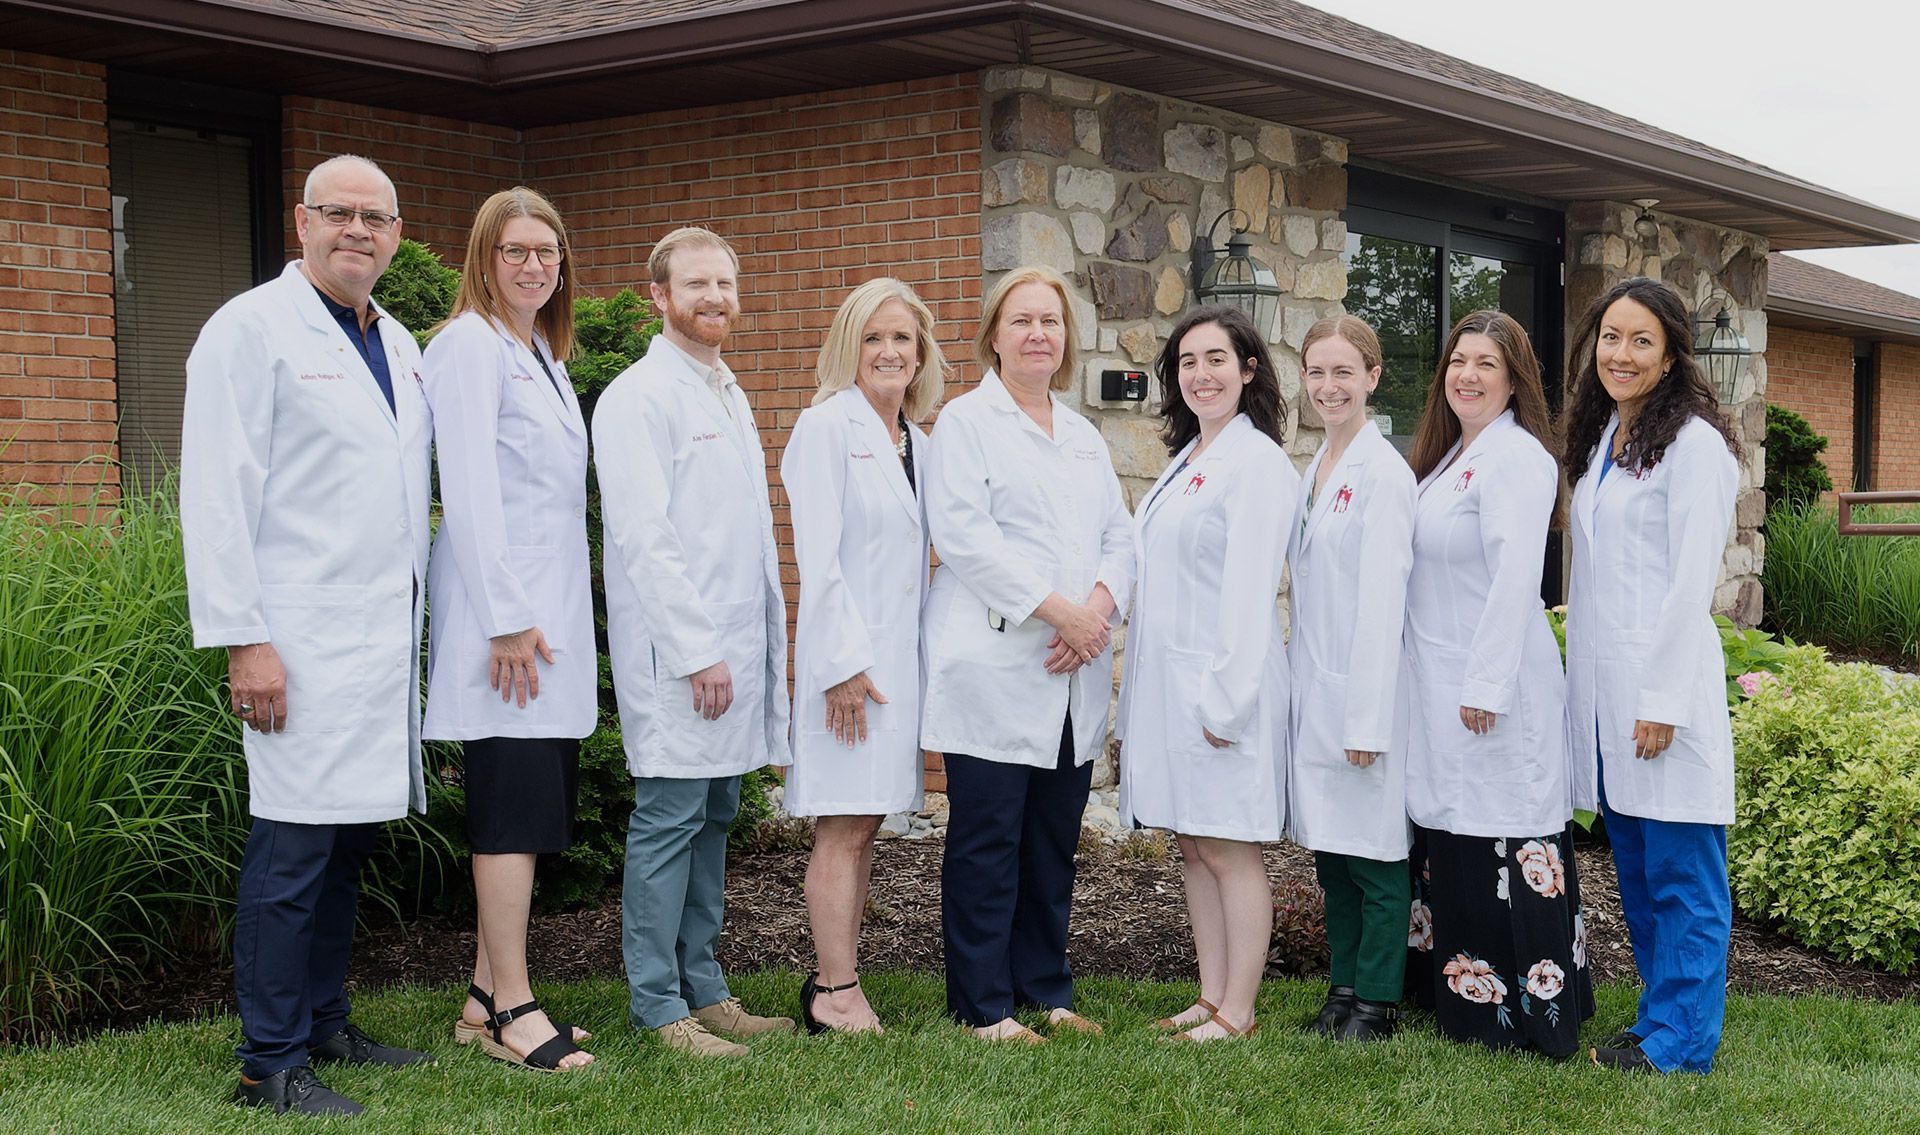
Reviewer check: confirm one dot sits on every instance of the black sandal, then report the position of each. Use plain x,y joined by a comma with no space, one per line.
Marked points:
811,988
465,1031
545,1058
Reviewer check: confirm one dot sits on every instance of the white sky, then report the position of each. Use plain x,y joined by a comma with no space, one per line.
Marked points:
1826,90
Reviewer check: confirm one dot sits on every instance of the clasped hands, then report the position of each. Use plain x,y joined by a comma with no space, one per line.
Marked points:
1081,631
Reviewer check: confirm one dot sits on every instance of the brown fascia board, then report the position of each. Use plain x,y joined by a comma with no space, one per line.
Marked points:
250,26
1159,25
1868,324
1169,26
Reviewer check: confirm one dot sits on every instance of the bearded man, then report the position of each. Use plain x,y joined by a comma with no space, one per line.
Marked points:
697,625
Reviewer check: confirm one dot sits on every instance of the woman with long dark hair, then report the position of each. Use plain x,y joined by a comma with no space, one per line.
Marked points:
1498,949
1203,707
1655,477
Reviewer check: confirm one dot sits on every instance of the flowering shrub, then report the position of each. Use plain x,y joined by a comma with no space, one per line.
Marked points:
1827,840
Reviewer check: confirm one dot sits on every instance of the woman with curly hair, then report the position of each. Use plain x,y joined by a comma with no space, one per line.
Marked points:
1488,784
1655,476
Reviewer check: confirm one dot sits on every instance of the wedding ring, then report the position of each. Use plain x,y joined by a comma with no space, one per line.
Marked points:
245,708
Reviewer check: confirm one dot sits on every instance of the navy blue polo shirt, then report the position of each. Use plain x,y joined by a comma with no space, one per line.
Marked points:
369,344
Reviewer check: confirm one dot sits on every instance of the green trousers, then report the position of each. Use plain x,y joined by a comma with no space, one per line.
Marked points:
1367,910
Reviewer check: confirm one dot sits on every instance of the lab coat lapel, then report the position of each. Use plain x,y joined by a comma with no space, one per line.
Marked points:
1162,488
306,300
735,428
563,406
866,419
1353,464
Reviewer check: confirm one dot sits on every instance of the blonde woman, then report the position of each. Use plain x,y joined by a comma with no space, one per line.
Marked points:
511,667
852,470
1036,554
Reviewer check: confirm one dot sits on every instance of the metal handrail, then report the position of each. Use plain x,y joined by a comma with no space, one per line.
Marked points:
1849,528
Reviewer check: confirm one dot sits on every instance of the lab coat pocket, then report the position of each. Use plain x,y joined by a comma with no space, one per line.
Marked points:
1322,717
1184,737
1439,685
538,568
742,632
322,639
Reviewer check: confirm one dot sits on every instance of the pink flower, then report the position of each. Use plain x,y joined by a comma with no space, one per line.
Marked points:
1750,683
1475,980
1545,980
1420,927
1540,866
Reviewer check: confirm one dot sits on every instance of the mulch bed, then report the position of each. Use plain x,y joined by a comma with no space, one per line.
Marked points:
1129,920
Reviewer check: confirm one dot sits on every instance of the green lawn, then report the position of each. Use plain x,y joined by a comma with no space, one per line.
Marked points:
1788,1064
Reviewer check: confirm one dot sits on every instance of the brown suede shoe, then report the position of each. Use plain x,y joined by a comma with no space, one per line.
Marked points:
689,1035
728,1017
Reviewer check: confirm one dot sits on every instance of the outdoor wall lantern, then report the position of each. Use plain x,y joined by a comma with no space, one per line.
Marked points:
1237,278
1724,352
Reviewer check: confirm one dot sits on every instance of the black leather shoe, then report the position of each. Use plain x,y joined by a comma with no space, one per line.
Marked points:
295,1090
1622,1059
1335,1012
1625,1038
1368,1020
352,1046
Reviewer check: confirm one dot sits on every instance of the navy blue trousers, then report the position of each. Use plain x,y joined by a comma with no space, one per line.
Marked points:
292,935
1006,883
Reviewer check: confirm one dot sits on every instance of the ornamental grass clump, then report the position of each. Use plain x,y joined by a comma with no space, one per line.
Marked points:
1852,593
1827,840
120,774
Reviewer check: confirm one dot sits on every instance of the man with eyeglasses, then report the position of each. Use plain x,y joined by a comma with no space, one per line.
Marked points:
303,499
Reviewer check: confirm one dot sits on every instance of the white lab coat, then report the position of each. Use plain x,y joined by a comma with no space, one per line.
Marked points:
1349,599
1641,642
511,552
1477,635
1205,648
860,538
303,504
1016,515
691,572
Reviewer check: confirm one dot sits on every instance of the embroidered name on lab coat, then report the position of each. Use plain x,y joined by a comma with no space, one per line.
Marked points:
1089,454
861,456
1466,478
1343,498
706,437
323,378
521,377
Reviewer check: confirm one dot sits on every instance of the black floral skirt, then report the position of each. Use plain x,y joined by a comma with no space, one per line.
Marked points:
1497,945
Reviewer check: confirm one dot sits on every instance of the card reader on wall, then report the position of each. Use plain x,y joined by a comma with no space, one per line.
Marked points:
1123,386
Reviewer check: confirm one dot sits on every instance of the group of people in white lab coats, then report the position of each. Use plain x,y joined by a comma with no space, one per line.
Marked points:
1417,734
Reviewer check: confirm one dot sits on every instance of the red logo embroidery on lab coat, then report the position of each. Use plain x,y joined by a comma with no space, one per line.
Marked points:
1466,478
1343,498
1193,485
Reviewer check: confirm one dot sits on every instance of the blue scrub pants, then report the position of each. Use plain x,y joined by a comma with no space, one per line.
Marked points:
1006,883
292,935
673,898
1679,911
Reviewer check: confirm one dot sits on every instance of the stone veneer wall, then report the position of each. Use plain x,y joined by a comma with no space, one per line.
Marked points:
1111,188
1714,269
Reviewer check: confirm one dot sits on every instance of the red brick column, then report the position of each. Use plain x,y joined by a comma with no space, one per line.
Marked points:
57,402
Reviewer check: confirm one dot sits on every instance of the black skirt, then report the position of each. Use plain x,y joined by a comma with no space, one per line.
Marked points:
1497,948
521,794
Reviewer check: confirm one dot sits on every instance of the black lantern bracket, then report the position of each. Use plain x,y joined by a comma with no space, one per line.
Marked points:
1233,275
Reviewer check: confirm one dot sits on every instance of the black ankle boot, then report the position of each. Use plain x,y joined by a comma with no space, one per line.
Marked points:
1334,1013
1369,1020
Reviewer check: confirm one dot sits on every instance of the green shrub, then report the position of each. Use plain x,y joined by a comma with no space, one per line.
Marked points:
1748,652
120,772
1852,593
1827,842
1795,473
417,289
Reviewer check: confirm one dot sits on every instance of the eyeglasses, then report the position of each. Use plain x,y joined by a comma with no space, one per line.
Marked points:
549,254
341,216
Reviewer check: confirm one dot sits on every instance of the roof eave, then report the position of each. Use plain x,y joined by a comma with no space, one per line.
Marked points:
1870,324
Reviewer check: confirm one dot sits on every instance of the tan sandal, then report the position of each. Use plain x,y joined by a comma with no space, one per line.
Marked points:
1232,1032
1169,1025
1019,1034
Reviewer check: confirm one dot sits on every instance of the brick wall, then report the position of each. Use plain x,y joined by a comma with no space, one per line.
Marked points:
57,408
442,168
1896,457
817,192
1812,375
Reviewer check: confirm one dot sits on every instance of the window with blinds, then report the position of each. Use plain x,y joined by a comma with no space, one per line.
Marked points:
182,246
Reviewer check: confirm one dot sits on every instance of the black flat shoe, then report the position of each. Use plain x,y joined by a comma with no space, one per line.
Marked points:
1335,1012
295,1090
1369,1020
1625,1038
1622,1059
352,1046
811,988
